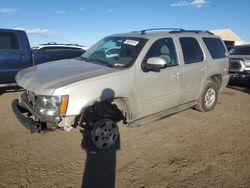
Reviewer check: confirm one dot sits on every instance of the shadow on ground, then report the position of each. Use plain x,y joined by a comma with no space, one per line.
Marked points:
100,164
240,87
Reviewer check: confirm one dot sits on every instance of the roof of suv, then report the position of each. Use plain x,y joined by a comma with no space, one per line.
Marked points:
149,33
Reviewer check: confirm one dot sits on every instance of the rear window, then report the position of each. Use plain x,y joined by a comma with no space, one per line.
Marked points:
215,47
191,50
240,51
8,41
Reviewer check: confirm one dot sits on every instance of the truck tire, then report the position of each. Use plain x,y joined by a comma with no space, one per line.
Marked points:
105,133
208,97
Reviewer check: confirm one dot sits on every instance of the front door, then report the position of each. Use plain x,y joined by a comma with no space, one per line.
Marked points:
12,57
160,89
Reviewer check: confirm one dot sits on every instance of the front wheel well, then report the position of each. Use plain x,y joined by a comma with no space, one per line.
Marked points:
115,109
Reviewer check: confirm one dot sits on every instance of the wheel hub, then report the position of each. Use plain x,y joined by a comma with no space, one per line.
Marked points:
210,97
105,133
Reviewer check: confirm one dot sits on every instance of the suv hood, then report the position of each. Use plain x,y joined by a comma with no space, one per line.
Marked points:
45,78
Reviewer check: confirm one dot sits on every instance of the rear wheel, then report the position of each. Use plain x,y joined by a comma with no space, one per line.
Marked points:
208,98
105,133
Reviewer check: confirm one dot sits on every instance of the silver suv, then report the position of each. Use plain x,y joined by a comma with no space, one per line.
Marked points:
149,76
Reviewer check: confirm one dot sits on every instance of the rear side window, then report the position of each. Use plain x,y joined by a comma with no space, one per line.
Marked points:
215,47
8,41
191,49
241,51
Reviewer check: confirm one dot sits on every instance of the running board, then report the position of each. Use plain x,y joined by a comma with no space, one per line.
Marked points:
160,115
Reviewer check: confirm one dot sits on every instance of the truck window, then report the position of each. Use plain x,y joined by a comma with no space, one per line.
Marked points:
241,51
165,49
215,47
8,41
191,50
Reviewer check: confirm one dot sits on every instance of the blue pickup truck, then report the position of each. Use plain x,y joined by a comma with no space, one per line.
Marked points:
16,54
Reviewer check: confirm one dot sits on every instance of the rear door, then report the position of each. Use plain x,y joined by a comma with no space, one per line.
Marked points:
195,69
12,57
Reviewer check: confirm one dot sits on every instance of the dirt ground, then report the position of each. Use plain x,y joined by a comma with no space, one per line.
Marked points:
188,149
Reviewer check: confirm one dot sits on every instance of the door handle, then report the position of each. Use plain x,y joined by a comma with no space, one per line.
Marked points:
204,68
176,75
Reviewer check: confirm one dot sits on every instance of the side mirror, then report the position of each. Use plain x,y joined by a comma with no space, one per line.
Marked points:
154,63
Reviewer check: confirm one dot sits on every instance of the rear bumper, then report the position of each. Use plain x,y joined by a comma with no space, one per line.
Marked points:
33,126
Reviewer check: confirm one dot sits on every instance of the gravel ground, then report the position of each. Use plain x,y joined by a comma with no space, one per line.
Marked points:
188,149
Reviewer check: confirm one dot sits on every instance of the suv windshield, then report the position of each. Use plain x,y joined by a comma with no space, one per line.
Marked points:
118,52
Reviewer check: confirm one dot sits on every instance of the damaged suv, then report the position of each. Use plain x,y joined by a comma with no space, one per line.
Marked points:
152,75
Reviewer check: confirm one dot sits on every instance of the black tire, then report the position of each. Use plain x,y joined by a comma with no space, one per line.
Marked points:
105,133
208,97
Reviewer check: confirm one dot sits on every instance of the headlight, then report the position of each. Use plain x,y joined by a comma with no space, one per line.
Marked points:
52,105
247,63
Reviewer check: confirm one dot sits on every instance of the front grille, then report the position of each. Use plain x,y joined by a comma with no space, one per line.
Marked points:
236,66
30,98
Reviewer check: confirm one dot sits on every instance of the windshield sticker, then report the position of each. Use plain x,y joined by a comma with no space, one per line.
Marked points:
131,42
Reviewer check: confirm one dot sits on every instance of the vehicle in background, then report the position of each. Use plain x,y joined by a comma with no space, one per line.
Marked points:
53,51
240,64
155,74
55,46
16,54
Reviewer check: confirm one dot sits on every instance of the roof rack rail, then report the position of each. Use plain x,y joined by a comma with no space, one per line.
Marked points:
157,29
193,31
173,30
51,43
73,44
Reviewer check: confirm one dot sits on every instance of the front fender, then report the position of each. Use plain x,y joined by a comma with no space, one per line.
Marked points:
123,104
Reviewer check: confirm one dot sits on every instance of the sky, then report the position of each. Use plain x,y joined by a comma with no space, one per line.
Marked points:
87,21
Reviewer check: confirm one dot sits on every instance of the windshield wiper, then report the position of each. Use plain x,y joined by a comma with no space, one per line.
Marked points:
118,65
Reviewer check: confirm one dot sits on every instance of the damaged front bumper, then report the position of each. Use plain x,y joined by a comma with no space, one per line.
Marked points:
30,119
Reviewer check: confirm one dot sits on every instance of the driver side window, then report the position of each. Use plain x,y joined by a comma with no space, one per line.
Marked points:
165,49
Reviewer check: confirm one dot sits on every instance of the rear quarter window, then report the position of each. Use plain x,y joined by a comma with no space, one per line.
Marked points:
215,47
8,41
